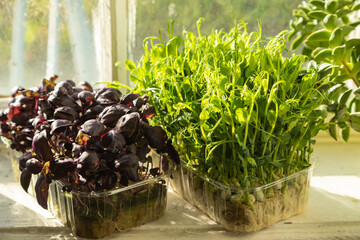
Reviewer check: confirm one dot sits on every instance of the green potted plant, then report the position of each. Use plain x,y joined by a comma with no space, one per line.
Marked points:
242,113
324,30
90,154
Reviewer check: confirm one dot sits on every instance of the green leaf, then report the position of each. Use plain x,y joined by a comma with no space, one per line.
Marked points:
251,161
291,35
336,38
343,3
332,106
347,29
341,78
331,22
331,6
357,105
241,115
345,97
285,138
318,3
355,24
355,69
271,117
317,14
332,128
355,121
323,55
298,41
352,43
130,65
357,94
339,53
309,28
204,115
320,35
356,7
216,102
345,133
342,12
307,51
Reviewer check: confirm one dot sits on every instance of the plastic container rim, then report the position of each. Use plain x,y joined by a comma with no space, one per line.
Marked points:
313,164
117,190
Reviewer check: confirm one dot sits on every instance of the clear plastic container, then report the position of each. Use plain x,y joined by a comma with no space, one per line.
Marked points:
230,206
97,215
102,214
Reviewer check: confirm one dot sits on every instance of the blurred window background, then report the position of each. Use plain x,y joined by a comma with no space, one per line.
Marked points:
148,16
82,39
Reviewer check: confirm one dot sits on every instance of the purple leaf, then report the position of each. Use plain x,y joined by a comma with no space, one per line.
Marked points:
41,147
34,166
88,160
156,137
65,84
127,161
42,191
86,86
113,141
66,112
86,97
129,98
132,174
59,125
93,127
172,153
147,111
92,112
61,168
108,97
22,160
129,125
111,114
25,178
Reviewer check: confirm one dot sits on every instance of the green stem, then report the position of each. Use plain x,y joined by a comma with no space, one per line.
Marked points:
349,73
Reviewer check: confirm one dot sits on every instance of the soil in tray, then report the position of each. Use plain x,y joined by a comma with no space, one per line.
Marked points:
99,217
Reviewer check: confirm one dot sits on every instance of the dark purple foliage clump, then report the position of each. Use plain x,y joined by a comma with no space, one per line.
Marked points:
89,139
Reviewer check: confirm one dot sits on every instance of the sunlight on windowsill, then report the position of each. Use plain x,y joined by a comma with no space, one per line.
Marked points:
347,186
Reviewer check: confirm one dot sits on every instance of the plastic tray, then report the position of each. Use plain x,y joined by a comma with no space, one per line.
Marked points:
271,203
100,215
97,215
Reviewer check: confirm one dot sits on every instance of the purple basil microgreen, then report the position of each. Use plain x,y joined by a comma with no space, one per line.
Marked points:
111,114
25,178
93,128
34,166
113,141
42,190
86,86
129,125
129,98
87,139
41,147
59,126
88,160
66,112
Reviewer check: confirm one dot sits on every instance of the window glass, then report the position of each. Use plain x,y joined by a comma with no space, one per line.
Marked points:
40,38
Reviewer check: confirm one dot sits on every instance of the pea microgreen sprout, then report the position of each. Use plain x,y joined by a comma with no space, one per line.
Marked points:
239,109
